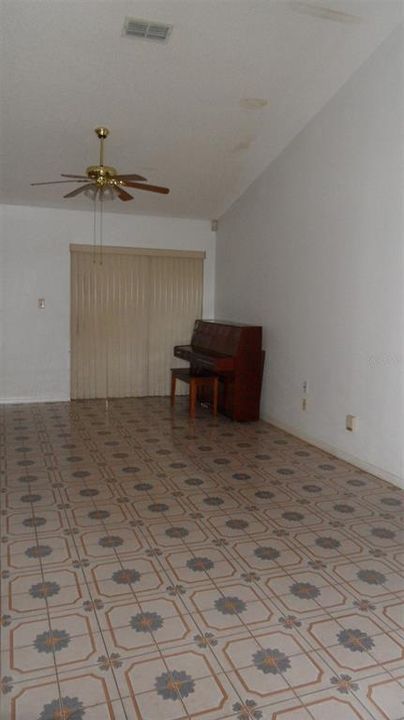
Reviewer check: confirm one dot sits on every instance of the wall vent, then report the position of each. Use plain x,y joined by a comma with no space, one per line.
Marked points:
146,29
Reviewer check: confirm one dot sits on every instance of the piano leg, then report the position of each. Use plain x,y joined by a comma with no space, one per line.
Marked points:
193,395
173,383
215,395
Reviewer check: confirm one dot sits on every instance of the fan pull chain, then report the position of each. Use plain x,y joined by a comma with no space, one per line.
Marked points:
106,381
101,223
95,229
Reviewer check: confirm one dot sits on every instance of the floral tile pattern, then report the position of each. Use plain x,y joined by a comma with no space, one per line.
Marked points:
156,566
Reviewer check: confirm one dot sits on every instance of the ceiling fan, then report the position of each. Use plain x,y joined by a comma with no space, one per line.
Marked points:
99,178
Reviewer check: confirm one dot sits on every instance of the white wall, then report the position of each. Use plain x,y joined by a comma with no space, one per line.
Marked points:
313,251
35,263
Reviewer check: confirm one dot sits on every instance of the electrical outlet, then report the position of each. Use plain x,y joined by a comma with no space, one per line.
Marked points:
304,404
350,423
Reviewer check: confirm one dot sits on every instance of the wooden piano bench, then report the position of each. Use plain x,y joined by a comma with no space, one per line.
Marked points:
195,382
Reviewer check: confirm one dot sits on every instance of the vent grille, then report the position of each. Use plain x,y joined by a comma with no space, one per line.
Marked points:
146,29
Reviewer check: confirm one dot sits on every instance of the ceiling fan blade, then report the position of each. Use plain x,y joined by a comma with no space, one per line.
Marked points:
79,190
131,177
57,182
122,194
151,188
79,177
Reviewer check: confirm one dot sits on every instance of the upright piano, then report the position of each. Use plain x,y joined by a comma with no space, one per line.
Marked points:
233,352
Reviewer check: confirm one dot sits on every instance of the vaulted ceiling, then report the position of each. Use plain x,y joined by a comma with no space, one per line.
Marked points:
179,112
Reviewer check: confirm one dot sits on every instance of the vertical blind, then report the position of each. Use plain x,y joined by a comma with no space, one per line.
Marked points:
129,307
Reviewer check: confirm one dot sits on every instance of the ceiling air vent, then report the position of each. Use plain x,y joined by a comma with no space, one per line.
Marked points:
146,29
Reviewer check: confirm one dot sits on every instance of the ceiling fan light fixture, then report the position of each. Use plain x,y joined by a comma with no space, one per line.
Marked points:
90,192
103,193
107,193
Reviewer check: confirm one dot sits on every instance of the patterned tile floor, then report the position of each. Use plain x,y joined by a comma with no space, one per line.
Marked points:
158,568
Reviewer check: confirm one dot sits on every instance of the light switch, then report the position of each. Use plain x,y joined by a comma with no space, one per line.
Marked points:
41,303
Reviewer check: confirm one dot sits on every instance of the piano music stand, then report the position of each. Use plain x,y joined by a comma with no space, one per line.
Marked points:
195,382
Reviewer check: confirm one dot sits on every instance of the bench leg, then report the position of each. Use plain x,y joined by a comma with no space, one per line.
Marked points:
172,396
193,392
215,395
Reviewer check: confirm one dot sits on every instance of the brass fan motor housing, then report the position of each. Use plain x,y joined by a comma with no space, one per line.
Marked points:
102,174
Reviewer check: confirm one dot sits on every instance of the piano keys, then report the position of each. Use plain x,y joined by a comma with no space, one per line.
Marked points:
233,352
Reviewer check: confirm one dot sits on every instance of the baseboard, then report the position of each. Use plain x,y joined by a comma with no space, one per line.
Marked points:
337,452
39,399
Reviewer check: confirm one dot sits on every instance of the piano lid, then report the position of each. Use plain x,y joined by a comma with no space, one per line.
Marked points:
226,338
228,322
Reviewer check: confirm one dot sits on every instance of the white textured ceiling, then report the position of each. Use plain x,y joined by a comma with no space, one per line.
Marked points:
173,109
